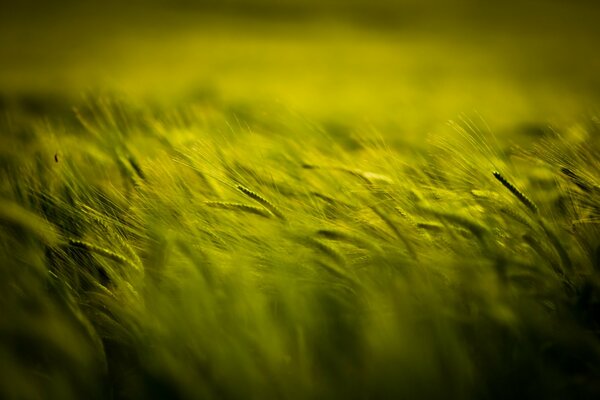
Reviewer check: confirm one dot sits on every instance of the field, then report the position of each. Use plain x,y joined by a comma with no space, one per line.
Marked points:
242,200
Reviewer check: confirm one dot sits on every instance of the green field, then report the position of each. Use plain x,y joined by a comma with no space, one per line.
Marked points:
301,200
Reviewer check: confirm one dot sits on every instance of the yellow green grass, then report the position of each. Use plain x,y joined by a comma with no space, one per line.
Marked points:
276,206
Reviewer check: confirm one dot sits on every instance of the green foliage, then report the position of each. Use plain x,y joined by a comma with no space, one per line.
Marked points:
173,255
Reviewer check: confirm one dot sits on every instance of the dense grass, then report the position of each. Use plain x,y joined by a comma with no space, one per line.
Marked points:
274,207
196,254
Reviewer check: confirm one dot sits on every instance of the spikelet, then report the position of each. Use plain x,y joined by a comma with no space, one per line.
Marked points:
518,194
240,207
262,201
111,255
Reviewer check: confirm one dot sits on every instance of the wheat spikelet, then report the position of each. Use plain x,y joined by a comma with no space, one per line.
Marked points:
111,255
262,201
240,207
518,194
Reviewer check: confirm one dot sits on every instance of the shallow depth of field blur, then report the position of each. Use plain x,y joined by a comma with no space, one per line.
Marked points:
299,199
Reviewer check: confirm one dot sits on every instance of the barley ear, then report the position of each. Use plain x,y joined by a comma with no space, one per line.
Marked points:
262,201
109,254
516,192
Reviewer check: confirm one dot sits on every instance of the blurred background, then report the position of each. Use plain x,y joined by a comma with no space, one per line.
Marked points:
409,64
